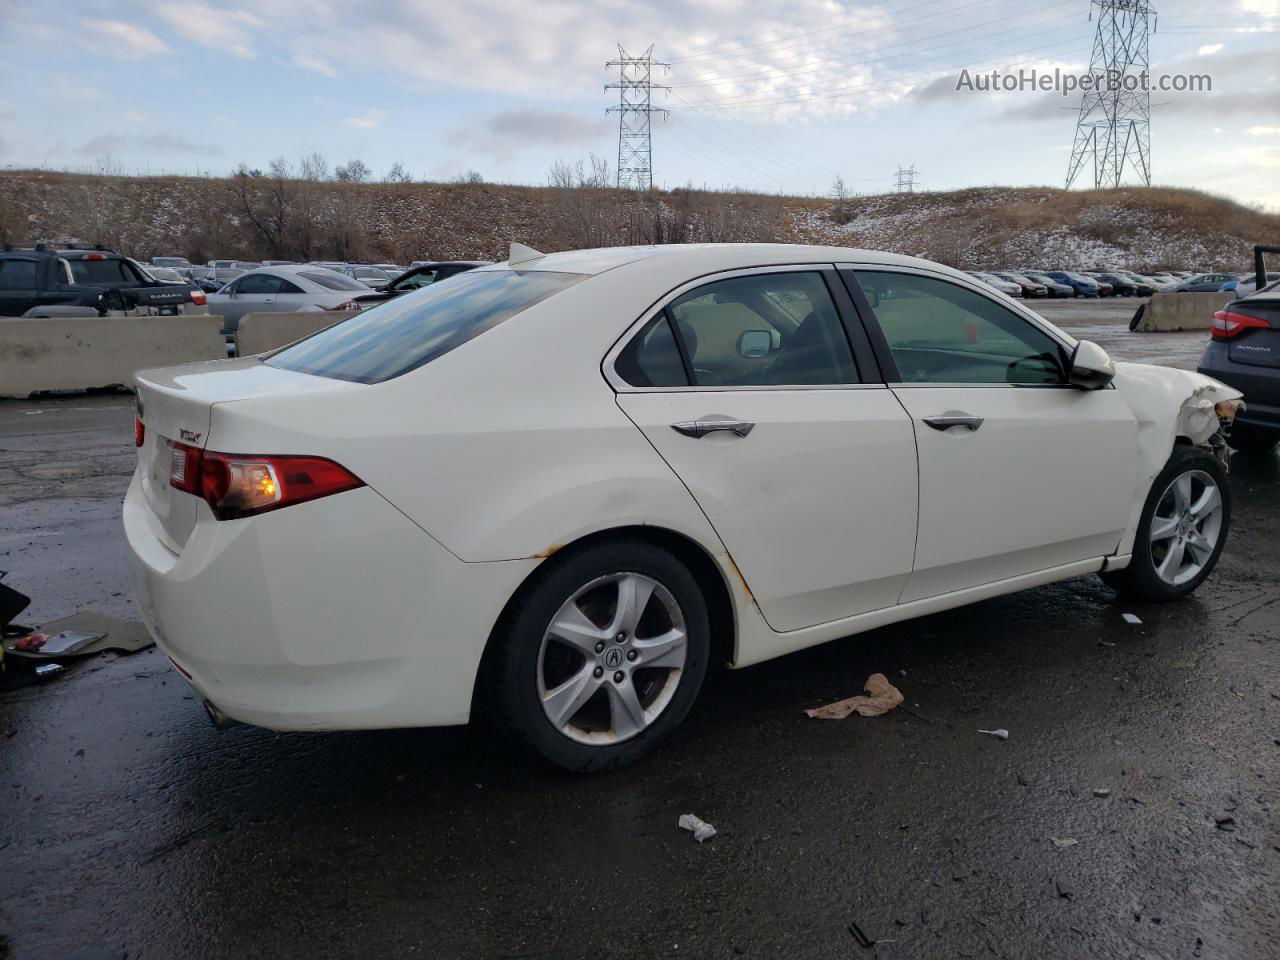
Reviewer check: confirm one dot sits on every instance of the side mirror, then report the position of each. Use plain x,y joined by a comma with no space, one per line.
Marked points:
754,344
1091,368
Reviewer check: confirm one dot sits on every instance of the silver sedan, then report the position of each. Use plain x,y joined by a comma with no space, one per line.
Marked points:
283,289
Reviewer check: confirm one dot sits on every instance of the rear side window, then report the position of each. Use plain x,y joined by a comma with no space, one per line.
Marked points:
103,272
403,334
652,358
17,274
332,280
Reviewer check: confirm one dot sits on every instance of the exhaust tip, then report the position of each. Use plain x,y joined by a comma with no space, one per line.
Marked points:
219,719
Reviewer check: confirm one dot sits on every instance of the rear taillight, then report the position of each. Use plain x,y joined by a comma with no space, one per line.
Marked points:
198,298
236,485
349,305
139,432
1227,324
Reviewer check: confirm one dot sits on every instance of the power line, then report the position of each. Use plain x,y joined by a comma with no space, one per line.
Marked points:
635,111
906,181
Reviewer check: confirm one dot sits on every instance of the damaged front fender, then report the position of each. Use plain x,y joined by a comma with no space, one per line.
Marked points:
1170,405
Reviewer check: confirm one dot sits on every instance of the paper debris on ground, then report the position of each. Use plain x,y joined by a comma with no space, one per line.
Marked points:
1064,841
1132,618
1000,733
882,696
700,829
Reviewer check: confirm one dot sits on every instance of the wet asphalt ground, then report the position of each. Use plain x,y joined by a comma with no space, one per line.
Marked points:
131,827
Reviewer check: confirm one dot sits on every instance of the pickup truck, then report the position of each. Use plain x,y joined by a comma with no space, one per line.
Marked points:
44,282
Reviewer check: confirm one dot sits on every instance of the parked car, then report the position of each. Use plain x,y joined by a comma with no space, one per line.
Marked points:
368,276
285,289
1030,288
991,280
1105,289
1244,352
1056,288
422,276
202,277
45,282
1126,285
1082,285
174,262
553,491
163,274
1205,283
1248,287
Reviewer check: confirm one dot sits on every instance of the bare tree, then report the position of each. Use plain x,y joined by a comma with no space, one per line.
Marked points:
398,174
471,176
314,167
839,201
353,171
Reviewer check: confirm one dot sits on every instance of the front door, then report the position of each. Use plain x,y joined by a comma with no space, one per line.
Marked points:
748,388
1019,472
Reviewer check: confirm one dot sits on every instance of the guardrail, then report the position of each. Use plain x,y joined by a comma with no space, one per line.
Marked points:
38,355
1166,312
260,332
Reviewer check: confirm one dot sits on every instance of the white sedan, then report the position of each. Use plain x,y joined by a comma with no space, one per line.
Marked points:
554,490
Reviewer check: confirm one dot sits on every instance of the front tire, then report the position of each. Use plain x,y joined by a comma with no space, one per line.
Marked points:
1182,530
602,658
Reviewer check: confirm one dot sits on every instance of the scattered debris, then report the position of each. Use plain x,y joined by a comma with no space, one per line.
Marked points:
861,938
1000,733
700,829
47,670
1105,643
1131,618
1064,889
1225,823
31,642
883,697
1101,792
1064,841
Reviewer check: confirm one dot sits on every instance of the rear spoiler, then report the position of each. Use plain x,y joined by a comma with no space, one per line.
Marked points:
1259,269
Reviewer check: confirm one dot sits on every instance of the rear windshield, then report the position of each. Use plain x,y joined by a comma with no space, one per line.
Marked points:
334,280
403,334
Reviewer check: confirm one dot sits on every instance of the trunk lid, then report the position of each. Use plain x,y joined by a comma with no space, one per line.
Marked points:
175,405
1256,346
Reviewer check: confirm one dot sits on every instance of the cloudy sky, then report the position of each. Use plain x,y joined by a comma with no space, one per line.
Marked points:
773,96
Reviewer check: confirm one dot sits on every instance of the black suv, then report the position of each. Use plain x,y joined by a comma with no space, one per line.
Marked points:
45,282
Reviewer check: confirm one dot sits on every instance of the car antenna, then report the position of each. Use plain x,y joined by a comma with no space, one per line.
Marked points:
522,254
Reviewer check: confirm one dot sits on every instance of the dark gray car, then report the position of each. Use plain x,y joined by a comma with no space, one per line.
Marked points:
1245,353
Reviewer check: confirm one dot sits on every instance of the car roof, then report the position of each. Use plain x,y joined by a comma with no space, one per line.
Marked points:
712,257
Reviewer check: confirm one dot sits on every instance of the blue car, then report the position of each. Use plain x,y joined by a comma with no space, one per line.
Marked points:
1082,285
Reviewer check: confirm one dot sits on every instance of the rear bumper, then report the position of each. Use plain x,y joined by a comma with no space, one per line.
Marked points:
331,615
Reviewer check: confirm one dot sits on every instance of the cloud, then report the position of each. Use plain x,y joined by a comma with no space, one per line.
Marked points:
368,120
508,131
314,64
1263,131
161,143
1208,50
227,31
1262,8
125,41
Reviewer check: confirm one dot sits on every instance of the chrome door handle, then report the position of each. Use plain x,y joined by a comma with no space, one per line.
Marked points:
949,420
700,428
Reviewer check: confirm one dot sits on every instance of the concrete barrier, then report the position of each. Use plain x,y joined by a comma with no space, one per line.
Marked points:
88,353
260,332
1181,311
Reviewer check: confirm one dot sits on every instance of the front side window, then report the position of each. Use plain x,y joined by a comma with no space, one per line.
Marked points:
940,332
422,279
259,284
768,329
400,335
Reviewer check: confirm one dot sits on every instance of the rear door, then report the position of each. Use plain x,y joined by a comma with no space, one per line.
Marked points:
748,386
1019,472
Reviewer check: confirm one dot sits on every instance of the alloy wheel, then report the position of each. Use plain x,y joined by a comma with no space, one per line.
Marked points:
1185,527
611,658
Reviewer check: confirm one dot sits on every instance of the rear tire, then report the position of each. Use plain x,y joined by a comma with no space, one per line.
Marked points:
589,681
1253,440
1182,530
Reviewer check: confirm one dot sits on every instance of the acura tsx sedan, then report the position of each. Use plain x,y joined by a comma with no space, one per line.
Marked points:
552,491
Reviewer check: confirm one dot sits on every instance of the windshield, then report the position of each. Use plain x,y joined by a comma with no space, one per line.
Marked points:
403,334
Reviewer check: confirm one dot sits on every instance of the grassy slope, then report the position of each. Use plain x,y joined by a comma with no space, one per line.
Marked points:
988,227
